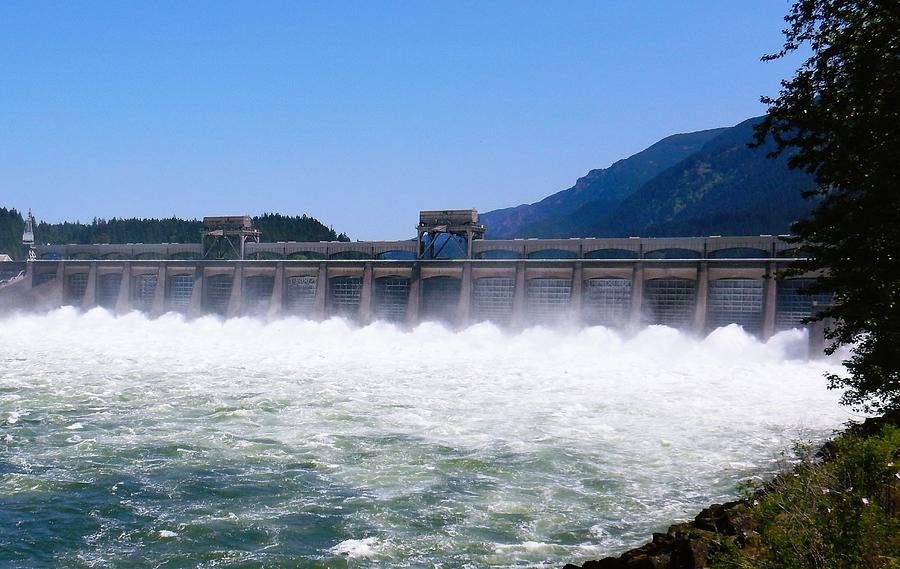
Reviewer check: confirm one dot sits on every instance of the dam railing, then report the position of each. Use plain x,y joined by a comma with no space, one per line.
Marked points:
763,246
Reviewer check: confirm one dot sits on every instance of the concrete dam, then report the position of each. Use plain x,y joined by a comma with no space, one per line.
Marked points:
688,283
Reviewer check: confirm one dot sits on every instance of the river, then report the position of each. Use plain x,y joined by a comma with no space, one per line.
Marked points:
167,443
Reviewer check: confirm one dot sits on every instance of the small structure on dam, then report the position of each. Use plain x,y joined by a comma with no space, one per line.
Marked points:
226,237
438,228
695,283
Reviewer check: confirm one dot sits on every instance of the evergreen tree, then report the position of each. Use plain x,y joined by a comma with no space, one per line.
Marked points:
11,226
274,227
838,118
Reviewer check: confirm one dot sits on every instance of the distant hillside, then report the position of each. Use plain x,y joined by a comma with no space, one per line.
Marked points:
11,227
720,188
725,188
606,185
274,227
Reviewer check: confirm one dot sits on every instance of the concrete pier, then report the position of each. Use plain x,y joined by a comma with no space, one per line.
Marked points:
518,306
195,308
702,293
235,299
365,296
276,305
637,296
414,300
771,288
577,298
321,291
90,293
123,304
465,296
159,293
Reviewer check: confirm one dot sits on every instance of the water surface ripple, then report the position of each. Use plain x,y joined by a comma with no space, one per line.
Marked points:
165,443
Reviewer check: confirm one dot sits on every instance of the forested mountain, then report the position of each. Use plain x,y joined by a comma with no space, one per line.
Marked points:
721,187
607,185
274,227
725,188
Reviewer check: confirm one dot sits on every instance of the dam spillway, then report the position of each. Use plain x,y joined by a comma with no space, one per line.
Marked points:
690,283
294,441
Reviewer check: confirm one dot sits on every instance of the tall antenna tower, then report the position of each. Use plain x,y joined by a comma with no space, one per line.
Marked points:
28,236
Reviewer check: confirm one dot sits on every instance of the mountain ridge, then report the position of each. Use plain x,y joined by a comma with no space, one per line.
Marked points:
721,186
613,183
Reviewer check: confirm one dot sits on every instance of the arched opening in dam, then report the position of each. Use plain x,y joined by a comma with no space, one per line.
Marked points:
258,294
793,305
77,285
389,445
344,295
144,290
108,290
735,301
351,255
440,298
499,254
217,291
670,301
179,292
43,277
673,253
492,299
611,254
265,256
607,301
547,300
305,255
738,253
391,298
300,296
553,254
396,255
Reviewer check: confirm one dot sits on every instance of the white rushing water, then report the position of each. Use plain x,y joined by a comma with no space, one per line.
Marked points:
292,443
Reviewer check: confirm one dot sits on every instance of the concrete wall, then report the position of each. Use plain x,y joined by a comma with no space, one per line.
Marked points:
694,293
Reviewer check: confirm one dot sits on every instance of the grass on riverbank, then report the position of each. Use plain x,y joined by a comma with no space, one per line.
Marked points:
839,510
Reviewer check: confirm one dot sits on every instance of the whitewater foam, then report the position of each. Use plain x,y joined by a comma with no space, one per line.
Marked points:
354,548
287,440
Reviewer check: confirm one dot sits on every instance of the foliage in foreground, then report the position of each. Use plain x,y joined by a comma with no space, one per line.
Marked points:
841,513
838,118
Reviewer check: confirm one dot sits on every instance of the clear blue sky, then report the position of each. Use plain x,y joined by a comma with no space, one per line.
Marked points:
357,113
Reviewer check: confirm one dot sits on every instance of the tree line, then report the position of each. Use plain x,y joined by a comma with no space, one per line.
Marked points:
274,227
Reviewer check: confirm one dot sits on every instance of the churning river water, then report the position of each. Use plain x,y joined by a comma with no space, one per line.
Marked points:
128,442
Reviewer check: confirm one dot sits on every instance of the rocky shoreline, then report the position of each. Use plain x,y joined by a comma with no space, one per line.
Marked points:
691,545
686,545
